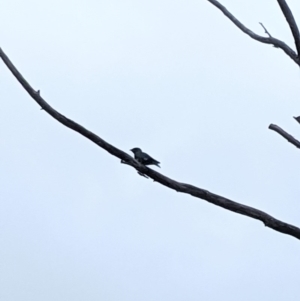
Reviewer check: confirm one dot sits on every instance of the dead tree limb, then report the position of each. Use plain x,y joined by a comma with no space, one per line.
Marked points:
284,134
292,23
270,40
295,56
215,199
297,119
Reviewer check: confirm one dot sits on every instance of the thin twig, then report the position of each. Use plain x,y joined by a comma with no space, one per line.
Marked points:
266,31
197,192
284,134
297,119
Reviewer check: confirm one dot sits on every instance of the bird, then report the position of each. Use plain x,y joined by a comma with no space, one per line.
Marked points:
143,157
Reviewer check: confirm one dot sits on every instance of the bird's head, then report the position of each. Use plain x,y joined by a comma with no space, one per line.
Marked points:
136,150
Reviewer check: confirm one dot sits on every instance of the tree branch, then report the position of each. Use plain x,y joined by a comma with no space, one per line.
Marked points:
217,200
292,23
270,40
297,119
265,29
284,134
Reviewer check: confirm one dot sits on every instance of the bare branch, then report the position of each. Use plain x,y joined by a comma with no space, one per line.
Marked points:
292,23
284,134
297,119
220,201
266,31
270,40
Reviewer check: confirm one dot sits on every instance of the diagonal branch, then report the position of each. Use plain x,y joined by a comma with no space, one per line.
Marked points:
215,199
265,29
297,119
292,23
270,40
284,134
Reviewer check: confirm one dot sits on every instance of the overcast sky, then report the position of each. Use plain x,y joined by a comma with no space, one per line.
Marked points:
179,80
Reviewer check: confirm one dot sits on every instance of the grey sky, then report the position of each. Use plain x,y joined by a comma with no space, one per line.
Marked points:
179,80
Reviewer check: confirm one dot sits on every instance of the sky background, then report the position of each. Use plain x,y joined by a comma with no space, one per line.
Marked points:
179,80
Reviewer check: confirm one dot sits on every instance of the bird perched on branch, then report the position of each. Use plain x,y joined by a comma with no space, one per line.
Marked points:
143,157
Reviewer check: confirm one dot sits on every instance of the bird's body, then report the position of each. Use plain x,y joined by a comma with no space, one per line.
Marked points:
143,157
